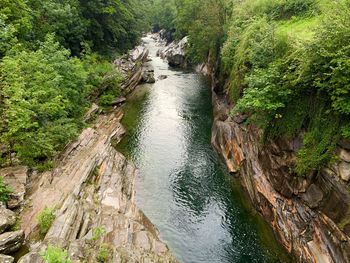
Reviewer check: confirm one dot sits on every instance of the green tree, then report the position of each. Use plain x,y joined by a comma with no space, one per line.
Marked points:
43,99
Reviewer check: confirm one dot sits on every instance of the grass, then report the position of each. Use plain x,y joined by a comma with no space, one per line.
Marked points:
299,28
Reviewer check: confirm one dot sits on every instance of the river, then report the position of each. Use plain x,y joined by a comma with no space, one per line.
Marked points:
182,185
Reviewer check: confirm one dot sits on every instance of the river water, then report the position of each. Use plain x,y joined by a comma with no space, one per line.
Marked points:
182,186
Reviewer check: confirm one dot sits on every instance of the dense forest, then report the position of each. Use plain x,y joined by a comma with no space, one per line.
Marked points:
55,56
285,64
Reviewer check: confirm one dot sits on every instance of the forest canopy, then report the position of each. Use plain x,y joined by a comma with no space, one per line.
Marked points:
54,56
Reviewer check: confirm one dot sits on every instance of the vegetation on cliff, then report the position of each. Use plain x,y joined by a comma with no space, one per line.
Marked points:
286,64
55,59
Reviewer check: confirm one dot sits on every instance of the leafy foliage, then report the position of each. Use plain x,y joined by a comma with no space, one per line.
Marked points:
45,220
56,255
98,232
44,96
55,59
287,63
289,84
5,191
103,253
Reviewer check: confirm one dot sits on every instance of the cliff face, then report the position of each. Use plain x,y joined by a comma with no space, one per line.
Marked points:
310,216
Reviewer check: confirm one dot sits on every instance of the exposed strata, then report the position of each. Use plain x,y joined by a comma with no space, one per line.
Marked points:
310,216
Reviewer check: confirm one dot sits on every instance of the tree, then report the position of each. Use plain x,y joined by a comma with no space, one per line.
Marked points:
43,95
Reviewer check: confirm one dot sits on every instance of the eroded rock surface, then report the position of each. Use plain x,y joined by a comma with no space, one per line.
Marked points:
175,53
7,219
11,241
134,68
310,215
93,187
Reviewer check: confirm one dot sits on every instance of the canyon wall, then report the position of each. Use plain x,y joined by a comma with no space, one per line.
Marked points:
310,216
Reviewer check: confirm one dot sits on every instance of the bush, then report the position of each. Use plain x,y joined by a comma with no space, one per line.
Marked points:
45,219
292,85
103,253
98,232
44,98
56,255
5,191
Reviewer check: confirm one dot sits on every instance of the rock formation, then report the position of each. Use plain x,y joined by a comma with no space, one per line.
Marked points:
311,216
93,187
175,53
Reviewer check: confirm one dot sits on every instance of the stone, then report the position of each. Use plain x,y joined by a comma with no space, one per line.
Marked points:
344,171
240,118
344,144
6,259
118,101
7,219
305,213
162,77
175,53
11,241
32,257
313,196
16,177
91,112
344,155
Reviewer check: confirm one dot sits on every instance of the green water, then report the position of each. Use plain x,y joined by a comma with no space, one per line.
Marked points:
182,186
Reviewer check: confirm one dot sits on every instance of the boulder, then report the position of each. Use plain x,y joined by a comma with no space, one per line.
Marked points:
32,257
161,77
11,241
16,177
344,155
344,171
7,219
175,53
313,196
6,259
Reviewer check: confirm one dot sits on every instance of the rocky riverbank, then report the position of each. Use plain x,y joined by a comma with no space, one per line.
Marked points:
91,190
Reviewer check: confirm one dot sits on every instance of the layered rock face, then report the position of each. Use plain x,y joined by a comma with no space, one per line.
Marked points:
92,188
11,239
310,216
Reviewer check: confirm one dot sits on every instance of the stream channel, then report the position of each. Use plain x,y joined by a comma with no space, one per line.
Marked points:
182,186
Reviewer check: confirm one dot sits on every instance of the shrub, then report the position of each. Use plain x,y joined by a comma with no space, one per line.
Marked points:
5,191
56,255
98,232
45,219
103,253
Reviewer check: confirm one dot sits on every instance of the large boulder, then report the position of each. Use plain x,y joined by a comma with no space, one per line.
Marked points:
11,241
7,219
175,53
